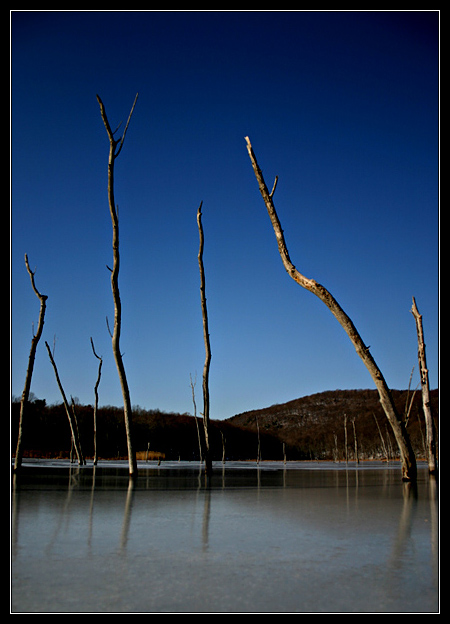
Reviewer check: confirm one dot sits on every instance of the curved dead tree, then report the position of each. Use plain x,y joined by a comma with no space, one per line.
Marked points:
409,467
115,147
26,390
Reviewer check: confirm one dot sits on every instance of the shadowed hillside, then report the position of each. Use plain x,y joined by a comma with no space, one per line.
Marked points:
311,427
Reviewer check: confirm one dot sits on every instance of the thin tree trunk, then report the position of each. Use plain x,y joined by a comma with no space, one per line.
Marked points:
355,441
72,423
431,440
383,444
29,374
77,431
258,456
208,460
345,439
115,148
195,415
336,451
96,400
409,467
223,447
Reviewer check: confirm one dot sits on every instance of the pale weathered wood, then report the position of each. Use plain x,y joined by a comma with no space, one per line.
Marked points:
409,467
26,390
115,147
70,415
206,367
431,434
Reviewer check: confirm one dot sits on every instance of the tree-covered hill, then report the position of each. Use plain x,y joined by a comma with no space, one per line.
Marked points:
311,427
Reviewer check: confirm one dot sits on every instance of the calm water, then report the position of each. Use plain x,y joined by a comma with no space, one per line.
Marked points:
296,538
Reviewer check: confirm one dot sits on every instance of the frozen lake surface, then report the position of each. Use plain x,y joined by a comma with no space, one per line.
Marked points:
295,538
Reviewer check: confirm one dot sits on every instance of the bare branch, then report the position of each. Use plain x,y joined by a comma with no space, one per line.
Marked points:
93,350
126,127
105,120
275,182
32,274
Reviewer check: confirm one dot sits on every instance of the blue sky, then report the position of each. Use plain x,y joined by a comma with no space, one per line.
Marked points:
342,106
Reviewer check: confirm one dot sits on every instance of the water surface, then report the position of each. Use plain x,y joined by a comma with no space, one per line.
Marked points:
273,538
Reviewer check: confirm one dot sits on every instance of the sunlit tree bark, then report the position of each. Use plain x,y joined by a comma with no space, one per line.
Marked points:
115,147
431,439
409,467
26,390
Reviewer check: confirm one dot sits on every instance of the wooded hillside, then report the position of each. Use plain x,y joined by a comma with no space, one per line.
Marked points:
311,427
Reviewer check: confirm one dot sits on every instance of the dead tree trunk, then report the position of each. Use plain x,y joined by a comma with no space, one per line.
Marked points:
96,401
72,423
115,148
383,444
223,447
431,439
29,375
345,439
207,454
195,416
355,439
77,431
409,467
258,454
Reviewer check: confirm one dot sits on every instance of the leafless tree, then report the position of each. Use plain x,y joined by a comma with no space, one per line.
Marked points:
409,466
26,390
431,440
207,454
355,439
383,444
70,415
195,415
115,147
345,439
99,374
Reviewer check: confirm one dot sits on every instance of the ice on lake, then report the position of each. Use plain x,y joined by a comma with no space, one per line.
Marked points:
275,538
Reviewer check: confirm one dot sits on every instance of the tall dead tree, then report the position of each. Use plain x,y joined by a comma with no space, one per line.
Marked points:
115,147
99,374
70,414
431,439
29,374
207,454
409,466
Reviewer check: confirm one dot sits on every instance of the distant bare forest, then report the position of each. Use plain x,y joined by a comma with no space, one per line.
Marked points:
309,428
